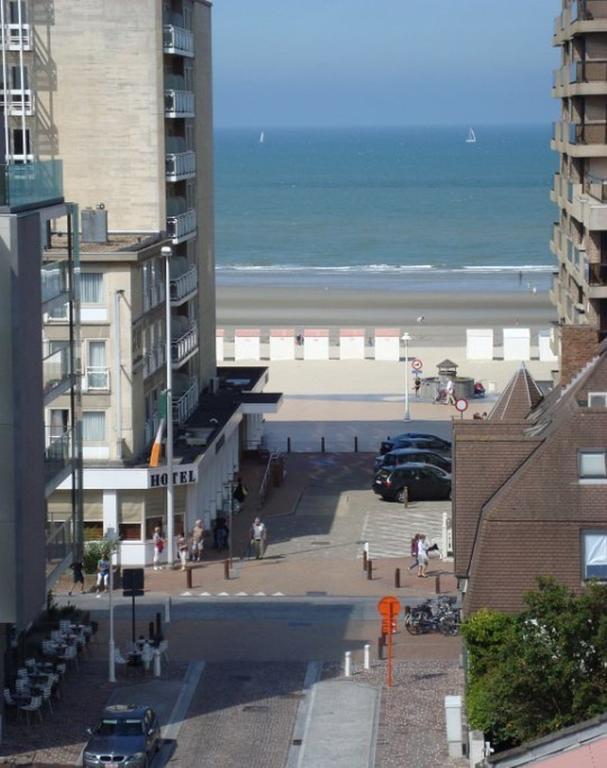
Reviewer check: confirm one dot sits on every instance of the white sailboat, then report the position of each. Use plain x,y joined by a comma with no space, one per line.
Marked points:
471,137
262,137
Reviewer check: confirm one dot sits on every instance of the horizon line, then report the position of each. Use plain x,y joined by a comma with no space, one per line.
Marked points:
393,126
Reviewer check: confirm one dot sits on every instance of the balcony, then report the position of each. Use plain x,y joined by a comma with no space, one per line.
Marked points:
184,286
597,281
596,187
53,281
18,102
587,10
594,71
181,165
555,194
557,131
184,347
16,37
587,133
556,239
153,295
185,404
154,359
56,378
96,379
178,103
182,226
57,454
31,184
178,41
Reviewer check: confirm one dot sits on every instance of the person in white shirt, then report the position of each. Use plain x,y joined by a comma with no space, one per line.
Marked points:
422,556
258,537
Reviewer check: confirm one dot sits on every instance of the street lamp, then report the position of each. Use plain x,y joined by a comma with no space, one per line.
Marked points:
406,337
167,252
111,535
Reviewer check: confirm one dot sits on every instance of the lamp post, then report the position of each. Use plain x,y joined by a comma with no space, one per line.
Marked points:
112,536
406,337
167,252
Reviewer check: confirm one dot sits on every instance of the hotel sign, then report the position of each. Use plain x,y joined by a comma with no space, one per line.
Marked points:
183,474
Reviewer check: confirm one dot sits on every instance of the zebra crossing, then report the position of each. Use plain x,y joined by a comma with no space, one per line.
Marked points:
388,530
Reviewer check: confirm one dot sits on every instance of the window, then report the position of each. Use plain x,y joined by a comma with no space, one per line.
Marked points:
13,11
597,399
97,372
130,531
594,554
91,287
15,78
19,150
93,426
592,465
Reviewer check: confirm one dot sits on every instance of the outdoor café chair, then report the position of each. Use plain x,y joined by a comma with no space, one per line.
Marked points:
35,705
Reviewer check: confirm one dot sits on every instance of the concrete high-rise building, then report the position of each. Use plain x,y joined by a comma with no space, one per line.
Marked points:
579,239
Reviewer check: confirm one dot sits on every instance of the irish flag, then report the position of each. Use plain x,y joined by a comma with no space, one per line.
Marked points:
156,453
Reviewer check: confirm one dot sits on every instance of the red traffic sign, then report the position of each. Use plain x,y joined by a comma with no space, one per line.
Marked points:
461,404
417,364
389,606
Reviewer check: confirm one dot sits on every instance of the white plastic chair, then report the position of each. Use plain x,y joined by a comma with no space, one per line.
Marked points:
35,705
118,657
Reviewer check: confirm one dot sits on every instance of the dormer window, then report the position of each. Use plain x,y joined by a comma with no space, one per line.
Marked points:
592,465
597,399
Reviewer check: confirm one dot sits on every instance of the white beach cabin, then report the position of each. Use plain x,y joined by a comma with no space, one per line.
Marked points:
544,343
316,344
387,344
352,344
219,348
479,343
517,343
282,344
246,344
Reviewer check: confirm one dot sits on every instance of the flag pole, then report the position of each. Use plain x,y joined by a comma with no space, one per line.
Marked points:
167,252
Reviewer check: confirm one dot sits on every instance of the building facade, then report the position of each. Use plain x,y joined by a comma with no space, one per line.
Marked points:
579,239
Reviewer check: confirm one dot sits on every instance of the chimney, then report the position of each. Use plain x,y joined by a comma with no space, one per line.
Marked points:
579,344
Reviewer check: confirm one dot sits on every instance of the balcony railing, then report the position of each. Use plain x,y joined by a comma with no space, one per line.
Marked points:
56,370
597,274
556,77
153,296
154,359
558,24
31,183
178,40
556,236
587,133
96,379
184,346
184,285
58,451
596,187
588,71
182,227
178,103
588,10
181,165
54,280
557,131
16,37
185,405
18,102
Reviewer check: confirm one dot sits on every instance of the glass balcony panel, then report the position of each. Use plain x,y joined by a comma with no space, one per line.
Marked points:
31,183
54,280
58,451
56,369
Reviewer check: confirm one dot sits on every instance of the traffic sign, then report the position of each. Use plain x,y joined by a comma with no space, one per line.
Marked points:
417,365
389,606
461,404
417,372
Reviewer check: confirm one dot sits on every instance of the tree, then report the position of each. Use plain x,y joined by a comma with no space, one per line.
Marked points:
541,670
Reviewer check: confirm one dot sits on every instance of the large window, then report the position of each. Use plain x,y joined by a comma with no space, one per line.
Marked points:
592,465
93,426
97,372
594,554
91,287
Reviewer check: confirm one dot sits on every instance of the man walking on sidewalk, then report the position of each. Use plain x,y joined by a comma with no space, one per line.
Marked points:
258,538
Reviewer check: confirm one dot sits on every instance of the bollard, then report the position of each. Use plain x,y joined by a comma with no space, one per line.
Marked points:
367,657
188,578
158,626
288,445
151,630
355,443
226,569
370,570
437,585
348,664
167,611
406,497
381,644
322,444
157,668
397,578
364,559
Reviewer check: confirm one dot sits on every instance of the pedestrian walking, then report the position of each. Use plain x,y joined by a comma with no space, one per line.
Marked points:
240,493
221,533
258,538
103,574
77,575
422,556
158,547
197,541
417,385
414,541
182,548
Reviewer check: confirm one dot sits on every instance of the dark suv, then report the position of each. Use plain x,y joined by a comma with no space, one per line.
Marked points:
407,455
126,735
417,440
423,481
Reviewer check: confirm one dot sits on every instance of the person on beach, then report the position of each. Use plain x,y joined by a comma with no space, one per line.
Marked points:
158,542
78,576
422,556
197,541
182,548
417,385
258,538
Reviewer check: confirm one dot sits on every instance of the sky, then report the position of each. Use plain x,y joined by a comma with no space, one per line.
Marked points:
301,63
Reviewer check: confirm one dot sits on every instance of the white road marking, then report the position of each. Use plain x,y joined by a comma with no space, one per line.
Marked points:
179,711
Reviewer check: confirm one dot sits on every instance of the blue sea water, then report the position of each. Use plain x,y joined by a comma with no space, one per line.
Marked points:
384,200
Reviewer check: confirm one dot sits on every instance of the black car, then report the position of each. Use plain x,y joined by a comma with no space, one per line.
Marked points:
419,441
407,455
126,736
423,481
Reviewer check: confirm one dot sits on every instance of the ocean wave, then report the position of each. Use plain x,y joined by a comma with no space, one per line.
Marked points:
383,268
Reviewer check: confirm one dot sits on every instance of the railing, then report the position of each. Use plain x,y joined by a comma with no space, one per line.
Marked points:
56,369
556,77
558,24
180,165
557,131
184,406
556,184
182,226
264,488
57,454
18,102
556,236
16,36
596,187
597,274
154,359
178,40
588,10
97,379
588,71
587,133
570,191
58,542
54,280
31,183
153,296
184,284
184,346
178,103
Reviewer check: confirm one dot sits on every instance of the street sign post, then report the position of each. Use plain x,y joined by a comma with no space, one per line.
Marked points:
132,586
389,608
461,405
417,365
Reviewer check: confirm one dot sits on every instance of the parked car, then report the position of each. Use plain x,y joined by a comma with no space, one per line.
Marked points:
126,735
417,440
423,481
407,455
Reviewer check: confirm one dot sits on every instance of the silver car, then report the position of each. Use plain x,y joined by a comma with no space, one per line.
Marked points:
126,736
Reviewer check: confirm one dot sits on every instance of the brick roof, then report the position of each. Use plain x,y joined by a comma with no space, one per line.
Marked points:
519,398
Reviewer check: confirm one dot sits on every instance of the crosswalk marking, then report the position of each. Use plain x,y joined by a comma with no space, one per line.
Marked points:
389,531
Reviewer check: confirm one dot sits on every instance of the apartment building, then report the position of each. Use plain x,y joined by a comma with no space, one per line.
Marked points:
579,239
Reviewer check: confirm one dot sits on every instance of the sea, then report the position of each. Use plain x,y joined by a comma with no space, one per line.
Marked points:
397,207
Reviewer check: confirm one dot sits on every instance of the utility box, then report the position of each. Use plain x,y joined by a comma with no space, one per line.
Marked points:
94,225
